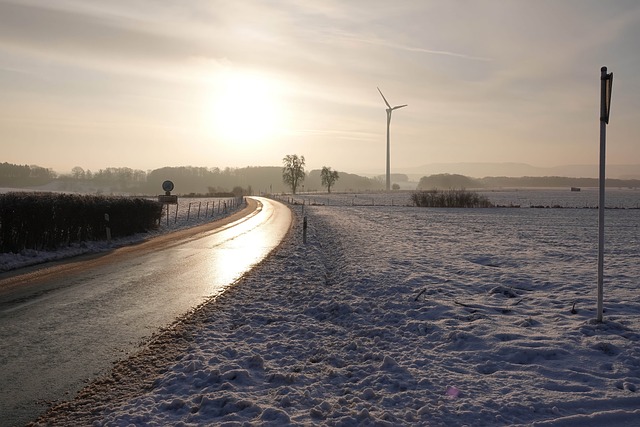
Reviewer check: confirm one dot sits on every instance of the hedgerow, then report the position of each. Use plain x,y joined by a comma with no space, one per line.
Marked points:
451,198
46,221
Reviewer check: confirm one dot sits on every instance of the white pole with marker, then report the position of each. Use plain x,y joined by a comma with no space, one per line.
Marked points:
606,83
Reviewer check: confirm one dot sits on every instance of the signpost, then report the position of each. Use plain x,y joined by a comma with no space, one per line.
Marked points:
606,83
168,198
167,186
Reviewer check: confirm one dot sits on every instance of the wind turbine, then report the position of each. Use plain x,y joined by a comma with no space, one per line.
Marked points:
389,111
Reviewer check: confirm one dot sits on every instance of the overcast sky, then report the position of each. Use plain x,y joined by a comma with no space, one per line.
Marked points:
152,83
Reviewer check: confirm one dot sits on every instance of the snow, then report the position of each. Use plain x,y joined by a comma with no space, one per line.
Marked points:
395,315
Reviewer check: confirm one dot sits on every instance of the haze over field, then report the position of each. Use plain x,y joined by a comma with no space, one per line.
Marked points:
148,84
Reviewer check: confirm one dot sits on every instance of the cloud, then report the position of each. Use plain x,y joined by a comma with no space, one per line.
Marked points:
373,40
103,40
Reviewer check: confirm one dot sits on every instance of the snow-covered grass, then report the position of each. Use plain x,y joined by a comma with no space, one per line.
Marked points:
394,315
187,213
549,197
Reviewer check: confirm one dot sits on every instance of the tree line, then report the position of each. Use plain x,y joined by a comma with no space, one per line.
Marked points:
12,175
294,176
187,179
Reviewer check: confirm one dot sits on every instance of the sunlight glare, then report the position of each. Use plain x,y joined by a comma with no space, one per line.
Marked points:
245,109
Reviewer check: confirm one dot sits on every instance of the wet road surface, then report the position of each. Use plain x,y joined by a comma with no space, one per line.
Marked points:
63,325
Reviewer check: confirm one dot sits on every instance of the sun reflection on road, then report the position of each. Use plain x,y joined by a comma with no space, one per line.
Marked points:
230,264
230,261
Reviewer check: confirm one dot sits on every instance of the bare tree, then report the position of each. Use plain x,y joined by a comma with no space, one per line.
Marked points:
328,177
293,171
77,172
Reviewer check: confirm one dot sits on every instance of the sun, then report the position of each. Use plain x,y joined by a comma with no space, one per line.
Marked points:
245,109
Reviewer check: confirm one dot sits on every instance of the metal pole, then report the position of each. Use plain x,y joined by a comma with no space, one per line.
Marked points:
601,200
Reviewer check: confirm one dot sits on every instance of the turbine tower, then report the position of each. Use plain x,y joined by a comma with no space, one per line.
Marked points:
389,111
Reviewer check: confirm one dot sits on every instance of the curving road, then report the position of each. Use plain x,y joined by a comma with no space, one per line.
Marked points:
63,325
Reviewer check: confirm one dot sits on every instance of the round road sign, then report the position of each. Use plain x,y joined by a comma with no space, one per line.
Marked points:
167,186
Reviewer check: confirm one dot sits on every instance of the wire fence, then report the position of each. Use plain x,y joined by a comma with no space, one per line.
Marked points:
348,199
616,198
189,210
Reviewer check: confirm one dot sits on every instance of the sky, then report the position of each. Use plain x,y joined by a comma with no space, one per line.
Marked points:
147,84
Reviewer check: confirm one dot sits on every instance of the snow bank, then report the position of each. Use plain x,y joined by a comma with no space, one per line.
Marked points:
404,316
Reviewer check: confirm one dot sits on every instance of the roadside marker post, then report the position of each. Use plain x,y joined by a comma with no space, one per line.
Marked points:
606,83
108,228
304,230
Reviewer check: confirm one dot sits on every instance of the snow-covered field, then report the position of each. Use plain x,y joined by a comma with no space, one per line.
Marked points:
547,197
394,315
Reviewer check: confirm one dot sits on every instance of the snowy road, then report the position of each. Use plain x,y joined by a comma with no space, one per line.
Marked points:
63,325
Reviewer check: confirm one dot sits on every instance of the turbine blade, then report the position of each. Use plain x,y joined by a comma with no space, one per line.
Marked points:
399,106
385,99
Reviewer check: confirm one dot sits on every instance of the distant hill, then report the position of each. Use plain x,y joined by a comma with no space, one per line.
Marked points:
447,181
481,170
187,180
268,179
347,182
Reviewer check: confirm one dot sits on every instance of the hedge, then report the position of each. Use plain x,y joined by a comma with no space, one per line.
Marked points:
46,221
451,198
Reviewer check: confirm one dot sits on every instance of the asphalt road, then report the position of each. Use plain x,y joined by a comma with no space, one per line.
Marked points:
64,324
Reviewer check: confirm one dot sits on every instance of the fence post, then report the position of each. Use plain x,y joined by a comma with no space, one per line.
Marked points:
176,217
304,230
106,218
189,211
199,206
